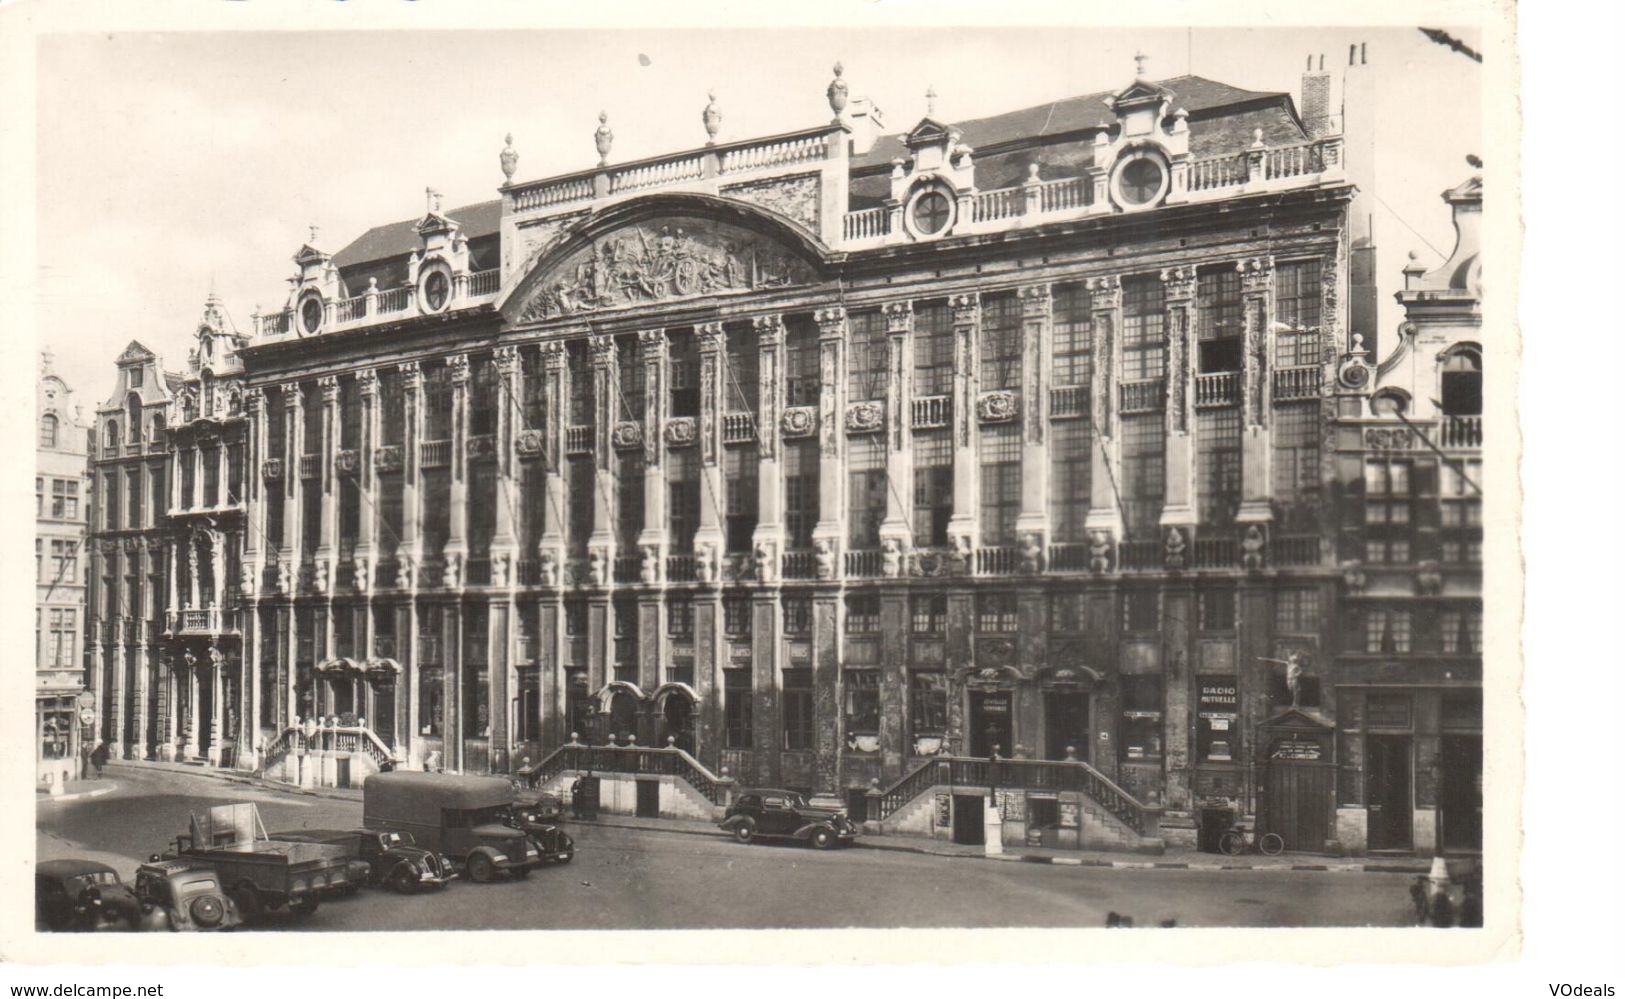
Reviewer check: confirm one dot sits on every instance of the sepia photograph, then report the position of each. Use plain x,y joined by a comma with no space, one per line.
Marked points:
739,478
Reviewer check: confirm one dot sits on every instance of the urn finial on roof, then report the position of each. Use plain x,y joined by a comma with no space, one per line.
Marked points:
1140,59
603,138
930,101
510,158
836,92
712,116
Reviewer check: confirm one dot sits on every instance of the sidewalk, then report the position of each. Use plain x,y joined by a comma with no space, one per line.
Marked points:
1173,860
75,790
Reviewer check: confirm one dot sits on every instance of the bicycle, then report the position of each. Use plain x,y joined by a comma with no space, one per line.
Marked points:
1236,841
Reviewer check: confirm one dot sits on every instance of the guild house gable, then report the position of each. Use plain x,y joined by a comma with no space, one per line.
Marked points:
669,249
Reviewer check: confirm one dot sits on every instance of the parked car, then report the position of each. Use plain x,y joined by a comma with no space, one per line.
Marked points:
83,895
381,857
464,817
535,818
262,874
785,814
183,893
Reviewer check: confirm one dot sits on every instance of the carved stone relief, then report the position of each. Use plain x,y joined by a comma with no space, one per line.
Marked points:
795,197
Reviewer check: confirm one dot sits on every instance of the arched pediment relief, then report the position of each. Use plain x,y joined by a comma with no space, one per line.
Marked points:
661,249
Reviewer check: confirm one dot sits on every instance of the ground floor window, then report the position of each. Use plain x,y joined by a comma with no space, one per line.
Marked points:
1217,738
862,703
431,700
1142,718
928,705
798,709
736,701
527,727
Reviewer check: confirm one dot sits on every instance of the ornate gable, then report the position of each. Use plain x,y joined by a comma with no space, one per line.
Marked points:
929,132
669,249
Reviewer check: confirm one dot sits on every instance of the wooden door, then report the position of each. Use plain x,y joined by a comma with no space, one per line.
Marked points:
648,799
1298,803
968,819
1388,792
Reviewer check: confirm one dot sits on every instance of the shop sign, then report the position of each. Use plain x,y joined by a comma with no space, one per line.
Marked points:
1217,700
1143,714
1293,748
995,706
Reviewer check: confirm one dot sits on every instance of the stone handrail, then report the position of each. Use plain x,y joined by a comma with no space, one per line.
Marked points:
1037,775
667,761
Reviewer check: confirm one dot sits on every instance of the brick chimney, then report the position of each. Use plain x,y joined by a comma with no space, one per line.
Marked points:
1316,103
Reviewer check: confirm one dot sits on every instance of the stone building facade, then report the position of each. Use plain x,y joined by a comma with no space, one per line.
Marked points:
1410,667
167,510
823,457
61,497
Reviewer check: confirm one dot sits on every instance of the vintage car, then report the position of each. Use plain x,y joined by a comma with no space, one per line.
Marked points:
534,818
83,895
785,814
382,857
181,893
464,817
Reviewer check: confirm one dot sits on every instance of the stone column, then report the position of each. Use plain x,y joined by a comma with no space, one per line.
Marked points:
138,653
217,702
963,530
606,403
254,454
194,593
768,540
708,539
766,650
328,478
1105,520
293,507
1032,524
1257,285
1179,468
248,727
410,550
896,535
504,540
457,538
652,348
830,530
366,481
189,747
556,376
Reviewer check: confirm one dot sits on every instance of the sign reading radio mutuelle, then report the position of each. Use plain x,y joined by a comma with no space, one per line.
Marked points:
1218,699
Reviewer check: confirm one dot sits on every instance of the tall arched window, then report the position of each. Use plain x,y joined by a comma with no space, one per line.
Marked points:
132,412
1461,382
111,438
47,430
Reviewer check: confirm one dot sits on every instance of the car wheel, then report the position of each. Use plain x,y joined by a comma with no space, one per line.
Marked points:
822,839
745,831
480,868
306,905
403,879
248,903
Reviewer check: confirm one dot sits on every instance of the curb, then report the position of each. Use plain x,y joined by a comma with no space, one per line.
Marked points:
863,843
74,796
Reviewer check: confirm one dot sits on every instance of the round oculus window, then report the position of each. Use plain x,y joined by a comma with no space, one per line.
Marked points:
310,314
1140,181
931,213
436,288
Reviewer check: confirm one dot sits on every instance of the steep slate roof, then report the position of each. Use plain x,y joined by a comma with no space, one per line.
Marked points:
1071,114
1062,117
400,238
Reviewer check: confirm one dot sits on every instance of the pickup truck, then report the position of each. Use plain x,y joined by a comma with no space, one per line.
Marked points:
261,874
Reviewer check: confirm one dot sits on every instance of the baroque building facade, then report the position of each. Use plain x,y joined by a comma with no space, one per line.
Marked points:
818,459
61,496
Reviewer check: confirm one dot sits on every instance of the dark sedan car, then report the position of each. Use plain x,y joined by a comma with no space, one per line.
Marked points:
785,814
83,895
383,857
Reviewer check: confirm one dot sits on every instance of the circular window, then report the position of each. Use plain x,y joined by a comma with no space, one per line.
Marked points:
310,314
1141,181
932,212
436,289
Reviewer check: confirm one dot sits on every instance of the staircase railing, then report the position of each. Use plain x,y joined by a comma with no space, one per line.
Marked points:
291,740
669,761
1036,775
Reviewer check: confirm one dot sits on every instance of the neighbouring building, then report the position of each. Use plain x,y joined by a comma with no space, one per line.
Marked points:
168,515
1409,668
838,460
60,499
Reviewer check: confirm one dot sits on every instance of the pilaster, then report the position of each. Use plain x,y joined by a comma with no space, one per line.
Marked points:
606,399
328,479
556,381
504,539
963,532
1257,286
652,350
456,552
896,534
1032,523
829,532
708,539
1105,520
1179,461
410,551
768,540
366,478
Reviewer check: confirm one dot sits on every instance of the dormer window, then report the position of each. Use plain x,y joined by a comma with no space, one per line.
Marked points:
1141,180
47,431
310,314
1461,383
136,375
436,289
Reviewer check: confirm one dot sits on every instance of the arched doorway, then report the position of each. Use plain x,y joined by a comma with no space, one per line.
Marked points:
990,710
675,710
1067,712
618,704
